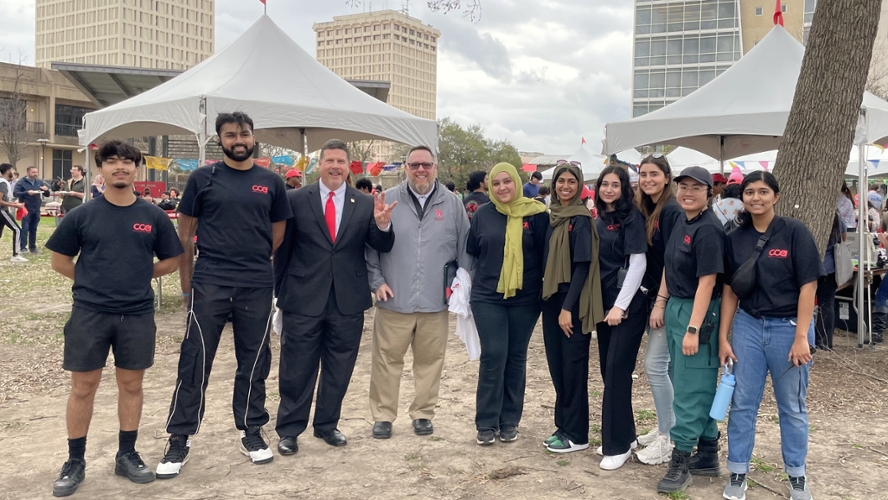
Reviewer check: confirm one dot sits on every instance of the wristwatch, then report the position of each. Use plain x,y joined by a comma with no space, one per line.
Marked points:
692,330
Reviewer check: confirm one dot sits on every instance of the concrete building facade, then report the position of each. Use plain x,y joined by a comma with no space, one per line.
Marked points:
47,133
158,34
385,46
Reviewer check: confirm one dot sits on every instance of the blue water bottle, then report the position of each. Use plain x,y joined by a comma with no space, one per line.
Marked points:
723,396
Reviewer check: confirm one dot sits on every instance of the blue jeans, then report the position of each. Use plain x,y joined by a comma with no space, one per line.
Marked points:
29,230
762,346
880,308
656,367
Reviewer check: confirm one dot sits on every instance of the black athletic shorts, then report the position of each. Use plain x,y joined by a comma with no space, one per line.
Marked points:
89,335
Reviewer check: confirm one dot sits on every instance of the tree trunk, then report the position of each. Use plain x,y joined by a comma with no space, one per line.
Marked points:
817,142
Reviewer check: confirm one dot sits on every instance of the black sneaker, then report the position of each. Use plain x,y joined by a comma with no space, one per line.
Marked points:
73,473
486,437
677,478
254,446
174,458
131,466
508,433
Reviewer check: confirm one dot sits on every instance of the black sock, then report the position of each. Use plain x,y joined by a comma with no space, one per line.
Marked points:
127,440
77,449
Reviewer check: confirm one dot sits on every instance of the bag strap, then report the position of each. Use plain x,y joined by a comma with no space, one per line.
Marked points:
763,239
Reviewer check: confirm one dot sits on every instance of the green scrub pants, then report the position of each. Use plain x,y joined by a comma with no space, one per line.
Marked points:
694,378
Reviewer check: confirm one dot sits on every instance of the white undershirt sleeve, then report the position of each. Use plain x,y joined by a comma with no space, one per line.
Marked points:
637,267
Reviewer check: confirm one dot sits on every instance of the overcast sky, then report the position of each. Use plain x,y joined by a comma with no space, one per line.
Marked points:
541,74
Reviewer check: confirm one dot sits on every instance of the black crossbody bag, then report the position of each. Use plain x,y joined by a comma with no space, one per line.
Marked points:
743,282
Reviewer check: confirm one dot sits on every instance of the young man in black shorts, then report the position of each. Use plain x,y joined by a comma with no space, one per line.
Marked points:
116,238
239,212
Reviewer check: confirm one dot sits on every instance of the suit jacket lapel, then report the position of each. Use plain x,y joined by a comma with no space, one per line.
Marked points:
314,201
348,208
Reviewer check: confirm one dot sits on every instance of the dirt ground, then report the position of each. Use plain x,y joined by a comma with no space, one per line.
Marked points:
848,456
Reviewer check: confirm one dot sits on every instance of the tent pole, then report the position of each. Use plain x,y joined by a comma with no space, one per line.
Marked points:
863,233
721,153
304,151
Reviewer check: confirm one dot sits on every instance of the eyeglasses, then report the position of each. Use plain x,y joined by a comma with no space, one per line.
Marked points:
574,163
424,165
693,189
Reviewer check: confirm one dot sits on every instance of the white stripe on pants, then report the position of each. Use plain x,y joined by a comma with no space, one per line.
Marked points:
9,222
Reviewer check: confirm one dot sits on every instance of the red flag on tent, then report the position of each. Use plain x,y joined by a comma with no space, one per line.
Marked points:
582,141
357,167
778,14
263,2
529,167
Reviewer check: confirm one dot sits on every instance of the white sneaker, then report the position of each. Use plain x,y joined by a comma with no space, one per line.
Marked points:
658,452
649,438
18,258
254,446
600,449
614,462
175,456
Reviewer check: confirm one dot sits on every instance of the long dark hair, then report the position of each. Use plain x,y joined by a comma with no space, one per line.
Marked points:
645,204
743,217
847,192
623,205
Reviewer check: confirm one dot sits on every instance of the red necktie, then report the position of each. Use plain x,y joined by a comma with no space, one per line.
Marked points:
330,216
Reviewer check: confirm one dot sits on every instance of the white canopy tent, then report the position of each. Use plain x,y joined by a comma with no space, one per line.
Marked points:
743,111
295,102
591,165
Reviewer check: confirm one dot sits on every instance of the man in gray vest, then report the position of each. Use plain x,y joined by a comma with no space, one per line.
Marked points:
409,282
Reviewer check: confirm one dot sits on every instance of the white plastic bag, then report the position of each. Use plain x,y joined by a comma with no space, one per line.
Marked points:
465,322
277,321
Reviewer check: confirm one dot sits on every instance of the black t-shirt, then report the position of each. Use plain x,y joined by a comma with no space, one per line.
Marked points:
117,246
669,218
236,209
580,229
474,200
696,248
789,260
617,241
486,242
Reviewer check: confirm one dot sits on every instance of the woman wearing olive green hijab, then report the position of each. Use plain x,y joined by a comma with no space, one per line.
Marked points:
571,307
507,239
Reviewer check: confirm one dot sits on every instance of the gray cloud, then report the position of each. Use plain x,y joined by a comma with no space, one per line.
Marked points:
483,49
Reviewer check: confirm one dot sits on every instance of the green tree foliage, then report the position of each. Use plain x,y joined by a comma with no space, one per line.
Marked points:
464,150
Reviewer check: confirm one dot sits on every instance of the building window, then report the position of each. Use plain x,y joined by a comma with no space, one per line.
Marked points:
69,119
759,11
61,164
783,8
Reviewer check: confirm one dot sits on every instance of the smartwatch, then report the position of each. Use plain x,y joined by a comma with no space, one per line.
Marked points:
692,330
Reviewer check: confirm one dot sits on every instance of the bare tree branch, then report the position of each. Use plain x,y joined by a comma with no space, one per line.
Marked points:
470,8
16,137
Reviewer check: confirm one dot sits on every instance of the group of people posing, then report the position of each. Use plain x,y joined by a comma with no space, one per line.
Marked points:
656,259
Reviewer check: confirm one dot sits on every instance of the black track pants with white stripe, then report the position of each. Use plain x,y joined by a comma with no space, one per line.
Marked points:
210,307
9,221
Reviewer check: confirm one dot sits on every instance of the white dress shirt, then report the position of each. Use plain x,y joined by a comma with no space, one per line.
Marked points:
338,201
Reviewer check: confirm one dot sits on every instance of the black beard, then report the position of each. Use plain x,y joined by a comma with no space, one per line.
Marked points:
238,157
119,184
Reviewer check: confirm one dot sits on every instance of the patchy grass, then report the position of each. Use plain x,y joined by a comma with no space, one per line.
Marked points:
562,463
646,415
762,466
677,495
595,428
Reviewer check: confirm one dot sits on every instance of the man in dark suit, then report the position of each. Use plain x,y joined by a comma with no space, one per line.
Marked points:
323,291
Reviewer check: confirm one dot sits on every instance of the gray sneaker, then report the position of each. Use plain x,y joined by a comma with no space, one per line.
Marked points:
486,437
736,488
798,488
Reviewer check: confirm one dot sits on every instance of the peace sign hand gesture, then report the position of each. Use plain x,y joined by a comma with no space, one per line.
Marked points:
382,212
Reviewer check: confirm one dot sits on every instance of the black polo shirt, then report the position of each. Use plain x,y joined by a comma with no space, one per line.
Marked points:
669,218
617,241
696,248
789,260
236,209
486,242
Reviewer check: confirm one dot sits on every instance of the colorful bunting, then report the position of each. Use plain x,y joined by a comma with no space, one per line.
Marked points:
263,162
282,160
185,164
764,165
357,167
312,165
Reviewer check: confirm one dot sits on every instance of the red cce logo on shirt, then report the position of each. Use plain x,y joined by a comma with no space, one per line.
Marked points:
142,228
778,254
260,189
687,239
613,227
439,215
526,225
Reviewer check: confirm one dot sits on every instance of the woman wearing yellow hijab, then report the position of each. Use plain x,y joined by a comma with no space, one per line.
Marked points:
507,239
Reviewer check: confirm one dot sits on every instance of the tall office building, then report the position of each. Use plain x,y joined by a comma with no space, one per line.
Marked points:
385,46
681,45
159,34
